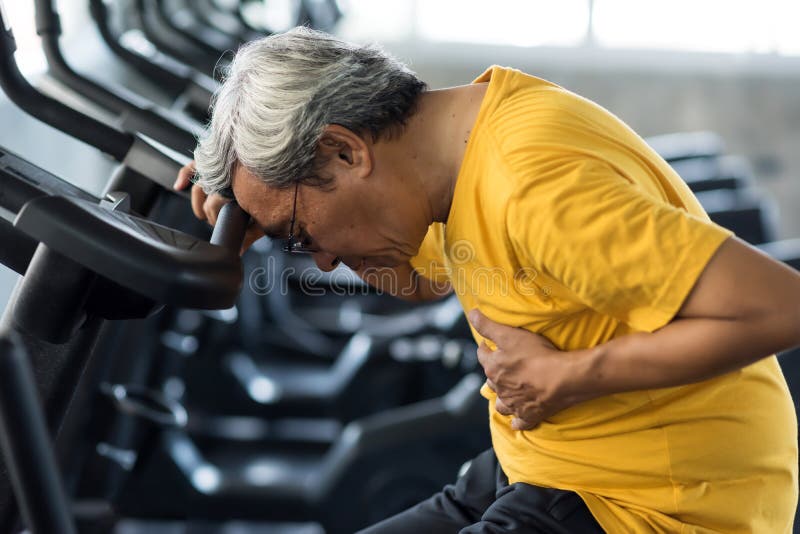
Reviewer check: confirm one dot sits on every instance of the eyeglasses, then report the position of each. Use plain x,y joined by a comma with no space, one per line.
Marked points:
294,245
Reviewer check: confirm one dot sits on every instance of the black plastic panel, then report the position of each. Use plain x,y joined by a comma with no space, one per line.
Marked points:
165,265
21,181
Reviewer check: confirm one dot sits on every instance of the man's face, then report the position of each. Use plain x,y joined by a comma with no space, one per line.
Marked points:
365,223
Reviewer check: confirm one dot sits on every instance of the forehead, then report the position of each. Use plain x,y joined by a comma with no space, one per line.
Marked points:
270,207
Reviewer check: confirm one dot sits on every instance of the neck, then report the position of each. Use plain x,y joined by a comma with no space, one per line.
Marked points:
434,141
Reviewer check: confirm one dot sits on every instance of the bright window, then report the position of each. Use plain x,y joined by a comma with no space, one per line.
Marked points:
509,22
723,26
766,26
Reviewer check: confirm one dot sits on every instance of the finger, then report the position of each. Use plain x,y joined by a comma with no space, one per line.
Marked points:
522,424
212,206
501,407
184,176
253,234
484,353
198,199
485,326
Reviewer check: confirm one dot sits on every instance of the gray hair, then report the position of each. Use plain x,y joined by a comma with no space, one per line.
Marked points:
279,94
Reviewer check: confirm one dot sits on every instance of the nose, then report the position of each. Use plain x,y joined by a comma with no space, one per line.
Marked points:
325,261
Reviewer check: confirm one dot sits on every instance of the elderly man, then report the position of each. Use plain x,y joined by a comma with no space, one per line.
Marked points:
627,341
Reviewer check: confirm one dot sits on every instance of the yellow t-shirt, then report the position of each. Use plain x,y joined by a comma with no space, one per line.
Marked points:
566,223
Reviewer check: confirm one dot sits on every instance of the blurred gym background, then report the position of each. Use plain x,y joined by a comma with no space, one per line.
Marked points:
711,83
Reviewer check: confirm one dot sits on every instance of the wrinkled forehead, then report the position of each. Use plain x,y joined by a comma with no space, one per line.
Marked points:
270,207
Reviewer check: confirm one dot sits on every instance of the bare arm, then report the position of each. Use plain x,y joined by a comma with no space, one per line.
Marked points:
744,307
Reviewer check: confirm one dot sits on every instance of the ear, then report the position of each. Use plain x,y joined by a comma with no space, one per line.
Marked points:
343,152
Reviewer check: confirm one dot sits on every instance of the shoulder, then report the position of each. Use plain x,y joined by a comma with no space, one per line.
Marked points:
531,121
521,97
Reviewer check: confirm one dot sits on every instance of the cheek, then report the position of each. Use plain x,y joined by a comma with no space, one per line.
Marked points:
330,227
343,224
343,238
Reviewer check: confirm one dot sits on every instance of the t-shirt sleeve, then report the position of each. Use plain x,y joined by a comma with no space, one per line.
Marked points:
429,261
620,250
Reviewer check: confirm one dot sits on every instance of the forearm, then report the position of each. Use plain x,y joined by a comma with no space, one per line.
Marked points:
743,307
683,352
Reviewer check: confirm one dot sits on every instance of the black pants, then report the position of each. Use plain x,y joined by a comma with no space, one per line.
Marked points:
482,501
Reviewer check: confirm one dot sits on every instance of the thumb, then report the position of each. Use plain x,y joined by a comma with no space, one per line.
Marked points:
485,326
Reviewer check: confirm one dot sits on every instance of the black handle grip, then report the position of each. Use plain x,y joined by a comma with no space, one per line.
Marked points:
231,225
50,111
47,19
